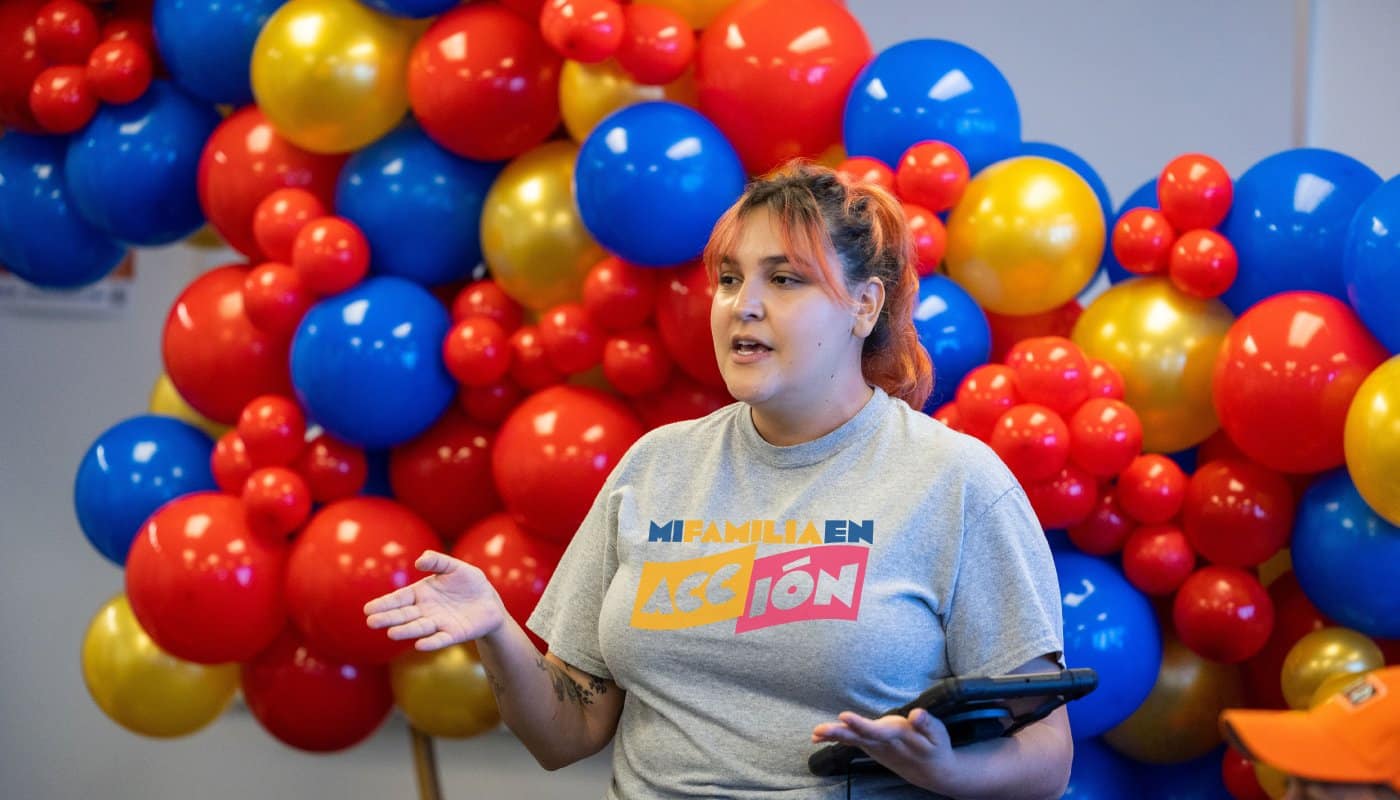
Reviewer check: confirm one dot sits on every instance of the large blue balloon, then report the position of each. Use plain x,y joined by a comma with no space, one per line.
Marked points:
1347,558
367,363
652,180
418,205
208,46
1099,773
133,468
416,9
1289,222
1110,627
42,238
954,331
133,170
1197,779
1371,263
932,89
1072,160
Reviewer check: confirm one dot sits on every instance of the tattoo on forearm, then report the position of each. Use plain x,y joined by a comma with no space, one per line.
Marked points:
565,687
495,683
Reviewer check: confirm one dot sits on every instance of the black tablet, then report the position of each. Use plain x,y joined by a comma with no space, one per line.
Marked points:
973,709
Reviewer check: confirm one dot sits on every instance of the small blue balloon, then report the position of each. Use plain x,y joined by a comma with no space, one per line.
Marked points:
377,482
1197,779
1099,772
134,468
416,9
954,331
1347,557
652,180
208,46
1371,263
932,89
1109,627
418,205
133,170
1186,459
1072,160
1289,223
367,364
43,240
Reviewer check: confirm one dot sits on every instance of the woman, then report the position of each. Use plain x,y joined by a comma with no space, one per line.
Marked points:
818,545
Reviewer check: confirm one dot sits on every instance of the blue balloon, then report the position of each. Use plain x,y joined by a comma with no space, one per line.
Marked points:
1186,459
1145,196
1197,779
652,180
1072,160
954,331
133,170
367,364
418,205
1289,222
1347,557
134,468
1110,627
416,9
1371,263
377,483
43,240
932,89
1099,773
208,47
1058,539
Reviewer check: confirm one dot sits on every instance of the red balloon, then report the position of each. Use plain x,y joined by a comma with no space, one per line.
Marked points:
930,238
1052,371
1152,488
1157,558
555,451
1194,191
1105,530
477,351
1142,241
444,475
331,254
984,395
774,74
280,217
1216,447
1008,330
657,44
617,295
243,162
1295,616
119,71
530,366
1223,614
1032,440
1238,513
1285,377
948,415
1203,264
583,30
204,586
275,299
1065,500
273,430
20,64
62,99
517,564
485,298
1237,773
311,701
681,399
635,362
683,318
215,356
1104,380
491,404
351,552
66,31
484,84
1104,436
528,9
230,463
1390,648
133,29
277,501
334,470
864,169
932,174
571,341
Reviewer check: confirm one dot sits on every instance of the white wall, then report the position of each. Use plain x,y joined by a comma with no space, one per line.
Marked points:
1127,85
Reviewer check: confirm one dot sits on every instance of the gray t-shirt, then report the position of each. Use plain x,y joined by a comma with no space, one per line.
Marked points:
741,593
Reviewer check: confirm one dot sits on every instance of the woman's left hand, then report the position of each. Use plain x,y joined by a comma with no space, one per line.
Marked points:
916,748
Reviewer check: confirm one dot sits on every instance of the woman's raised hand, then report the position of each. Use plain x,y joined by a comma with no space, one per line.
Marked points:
455,604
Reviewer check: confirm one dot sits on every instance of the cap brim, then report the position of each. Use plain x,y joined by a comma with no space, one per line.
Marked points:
1293,742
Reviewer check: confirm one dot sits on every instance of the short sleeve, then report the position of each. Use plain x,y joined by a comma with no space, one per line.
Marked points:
1005,606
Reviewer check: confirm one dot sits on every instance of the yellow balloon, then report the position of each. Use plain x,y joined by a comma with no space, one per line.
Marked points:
206,238
1321,655
1164,343
699,13
1026,236
531,233
1278,565
332,75
1372,440
165,400
1332,685
1273,782
145,689
444,693
1179,720
589,92
832,156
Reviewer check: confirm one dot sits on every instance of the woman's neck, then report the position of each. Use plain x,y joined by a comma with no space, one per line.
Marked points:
785,426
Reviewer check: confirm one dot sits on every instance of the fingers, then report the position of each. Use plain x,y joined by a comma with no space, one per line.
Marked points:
881,729
433,561
413,630
437,641
396,616
402,596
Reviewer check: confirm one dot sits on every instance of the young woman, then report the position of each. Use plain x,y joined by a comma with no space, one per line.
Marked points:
764,580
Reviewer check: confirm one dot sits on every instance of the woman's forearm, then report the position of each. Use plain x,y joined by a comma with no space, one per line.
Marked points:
1032,765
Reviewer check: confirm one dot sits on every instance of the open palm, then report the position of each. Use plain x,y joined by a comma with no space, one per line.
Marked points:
455,604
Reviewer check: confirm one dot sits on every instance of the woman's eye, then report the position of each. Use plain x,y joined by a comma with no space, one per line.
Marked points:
785,280
728,280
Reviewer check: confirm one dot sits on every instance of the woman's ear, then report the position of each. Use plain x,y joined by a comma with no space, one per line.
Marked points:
870,300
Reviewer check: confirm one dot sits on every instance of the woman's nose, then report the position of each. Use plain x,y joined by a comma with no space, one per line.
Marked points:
749,303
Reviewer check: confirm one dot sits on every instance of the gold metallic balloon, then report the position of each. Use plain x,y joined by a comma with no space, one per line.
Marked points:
444,693
1321,655
143,688
531,233
331,75
1179,720
206,238
1372,440
589,92
1026,236
1332,685
832,156
165,400
1273,782
1278,565
1164,343
698,13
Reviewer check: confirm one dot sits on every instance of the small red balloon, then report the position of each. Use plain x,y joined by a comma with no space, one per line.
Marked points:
617,295
1104,380
682,399
930,238
1032,440
1295,616
230,463
1238,513
280,217
334,470
119,71
1105,530
62,99
1105,436
66,31
1223,614
477,351
277,501
1052,371
273,430
530,366
1203,264
1009,330
330,254
485,298
571,341
491,404
1157,558
657,44
683,318
517,564
1065,500
275,299
587,31
1142,241
1216,447
864,169
1237,773
20,64
1194,191
1152,489
444,475
948,415
984,395
635,362
932,174
132,29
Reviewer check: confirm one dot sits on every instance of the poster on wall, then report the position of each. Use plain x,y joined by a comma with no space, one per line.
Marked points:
107,296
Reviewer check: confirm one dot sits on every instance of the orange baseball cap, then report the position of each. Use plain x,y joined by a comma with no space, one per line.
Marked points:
1353,737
